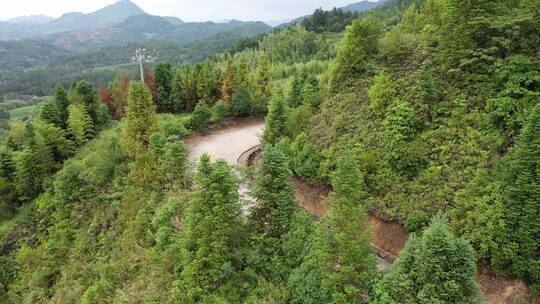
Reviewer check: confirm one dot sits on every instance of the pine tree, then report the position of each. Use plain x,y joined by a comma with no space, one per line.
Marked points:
49,114
264,76
29,168
141,119
54,139
241,102
340,262
271,218
184,89
436,267
85,91
80,125
174,162
311,95
467,35
229,84
209,237
305,158
295,92
61,102
203,82
351,260
241,74
164,77
519,242
7,167
276,119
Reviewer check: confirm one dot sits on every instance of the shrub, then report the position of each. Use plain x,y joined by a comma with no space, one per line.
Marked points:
200,117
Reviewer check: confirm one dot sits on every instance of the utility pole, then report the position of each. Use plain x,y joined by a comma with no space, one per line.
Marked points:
139,56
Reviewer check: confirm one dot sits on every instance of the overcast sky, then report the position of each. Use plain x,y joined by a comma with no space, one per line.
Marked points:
188,10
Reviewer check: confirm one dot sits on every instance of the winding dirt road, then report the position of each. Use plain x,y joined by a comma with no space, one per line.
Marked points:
230,142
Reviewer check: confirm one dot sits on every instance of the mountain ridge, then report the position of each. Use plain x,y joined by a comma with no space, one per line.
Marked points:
353,7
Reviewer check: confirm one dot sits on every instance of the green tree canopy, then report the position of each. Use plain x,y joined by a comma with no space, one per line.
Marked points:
436,267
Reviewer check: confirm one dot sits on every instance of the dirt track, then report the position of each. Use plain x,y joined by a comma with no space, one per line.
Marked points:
388,238
227,143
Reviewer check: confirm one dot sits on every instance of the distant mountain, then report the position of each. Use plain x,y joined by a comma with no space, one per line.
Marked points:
144,28
354,7
105,17
120,24
32,19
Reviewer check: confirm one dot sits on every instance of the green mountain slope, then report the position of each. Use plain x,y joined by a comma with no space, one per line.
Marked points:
105,17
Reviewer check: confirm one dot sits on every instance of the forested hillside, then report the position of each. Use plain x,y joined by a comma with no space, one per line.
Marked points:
424,113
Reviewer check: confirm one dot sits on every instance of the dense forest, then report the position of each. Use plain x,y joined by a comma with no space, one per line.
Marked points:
424,113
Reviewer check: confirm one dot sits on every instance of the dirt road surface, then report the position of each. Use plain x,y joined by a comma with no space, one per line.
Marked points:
228,143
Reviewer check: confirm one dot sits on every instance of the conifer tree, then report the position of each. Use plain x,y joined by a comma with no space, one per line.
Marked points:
49,114
29,168
241,102
54,140
164,77
271,218
7,167
229,82
264,76
351,260
340,262
436,267
311,95
184,92
209,237
141,119
305,158
85,91
241,74
62,103
467,34
276,119
519,242
80,125
295,92
203,83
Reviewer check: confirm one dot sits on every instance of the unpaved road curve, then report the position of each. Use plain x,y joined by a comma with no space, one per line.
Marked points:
228,143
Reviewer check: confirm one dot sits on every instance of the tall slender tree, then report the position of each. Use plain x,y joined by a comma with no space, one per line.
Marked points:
61,102
519,242
209,236
141,119
276,119
164,77
80,124
264,76
271,218
227,89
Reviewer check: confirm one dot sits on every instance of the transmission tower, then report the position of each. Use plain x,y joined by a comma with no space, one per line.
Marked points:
141,57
